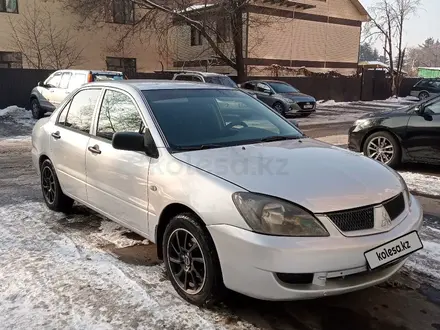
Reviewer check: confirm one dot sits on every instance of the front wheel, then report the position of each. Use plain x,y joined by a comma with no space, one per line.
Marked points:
278,107
383,147
423,95
37,112
191,260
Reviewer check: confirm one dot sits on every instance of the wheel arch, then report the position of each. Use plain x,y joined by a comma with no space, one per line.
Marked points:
170,211
41,159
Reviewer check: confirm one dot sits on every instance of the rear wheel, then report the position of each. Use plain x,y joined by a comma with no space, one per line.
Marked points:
383,147
52,193
37,112
191,260
423,95
278,107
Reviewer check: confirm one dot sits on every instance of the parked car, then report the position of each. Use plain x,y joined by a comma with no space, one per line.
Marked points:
251,204
50,93
281,96
209,78
426,88
408,134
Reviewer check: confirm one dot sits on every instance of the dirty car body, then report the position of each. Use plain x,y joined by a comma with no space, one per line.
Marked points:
231,192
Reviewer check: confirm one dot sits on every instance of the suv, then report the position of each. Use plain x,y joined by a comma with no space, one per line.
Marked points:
426,88
210,78
49,94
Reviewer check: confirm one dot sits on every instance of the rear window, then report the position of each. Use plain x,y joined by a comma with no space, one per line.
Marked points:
221,80
105,76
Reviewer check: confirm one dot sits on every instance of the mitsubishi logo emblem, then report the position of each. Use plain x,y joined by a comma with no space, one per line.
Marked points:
386,220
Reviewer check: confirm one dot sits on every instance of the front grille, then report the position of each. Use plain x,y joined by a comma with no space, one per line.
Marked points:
302,104
356,219
395,206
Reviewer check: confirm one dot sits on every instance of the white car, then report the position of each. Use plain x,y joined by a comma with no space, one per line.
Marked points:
232,196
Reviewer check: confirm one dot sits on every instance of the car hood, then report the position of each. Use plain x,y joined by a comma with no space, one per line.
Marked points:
318,176
298,97
389,112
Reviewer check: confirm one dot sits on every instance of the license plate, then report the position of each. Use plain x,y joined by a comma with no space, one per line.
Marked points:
308,106
393,250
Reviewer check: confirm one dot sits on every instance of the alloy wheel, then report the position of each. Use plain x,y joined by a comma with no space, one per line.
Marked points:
48,185
380,149
186,261
279,108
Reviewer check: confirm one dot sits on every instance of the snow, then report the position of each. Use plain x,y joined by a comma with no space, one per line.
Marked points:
422,183
54,278
10,110
196,7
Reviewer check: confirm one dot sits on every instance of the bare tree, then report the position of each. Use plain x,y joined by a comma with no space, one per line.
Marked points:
221,23
387,24
43,44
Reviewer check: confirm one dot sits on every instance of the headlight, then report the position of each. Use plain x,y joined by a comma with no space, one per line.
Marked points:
269,215
361,124
405,189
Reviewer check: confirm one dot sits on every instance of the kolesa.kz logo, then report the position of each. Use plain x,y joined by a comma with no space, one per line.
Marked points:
387,253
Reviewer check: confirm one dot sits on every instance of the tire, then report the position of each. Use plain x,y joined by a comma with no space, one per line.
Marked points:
423,95
279,107
386,142
211,287
37,112
59,202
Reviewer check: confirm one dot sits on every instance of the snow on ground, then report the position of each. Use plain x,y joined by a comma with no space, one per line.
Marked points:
51,280
111,232
422,183
19,115
330,112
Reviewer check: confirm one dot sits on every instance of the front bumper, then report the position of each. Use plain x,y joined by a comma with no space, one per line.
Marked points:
355,139
249,261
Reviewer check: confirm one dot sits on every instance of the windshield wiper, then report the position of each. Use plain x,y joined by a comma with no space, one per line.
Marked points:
200,147
280,138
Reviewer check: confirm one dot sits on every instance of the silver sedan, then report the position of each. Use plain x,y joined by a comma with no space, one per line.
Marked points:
232,194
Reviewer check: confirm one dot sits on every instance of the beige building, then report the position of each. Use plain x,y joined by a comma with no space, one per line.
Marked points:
320,35
96,42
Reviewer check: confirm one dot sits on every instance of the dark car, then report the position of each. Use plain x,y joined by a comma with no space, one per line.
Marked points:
408,134
426,88
283,97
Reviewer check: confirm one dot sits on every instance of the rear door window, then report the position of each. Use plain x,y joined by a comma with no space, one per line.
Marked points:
185,78
64,83
77,80
107,76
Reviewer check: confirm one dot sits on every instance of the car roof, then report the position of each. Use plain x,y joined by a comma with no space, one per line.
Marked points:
144,84
268,81
92,71
204,74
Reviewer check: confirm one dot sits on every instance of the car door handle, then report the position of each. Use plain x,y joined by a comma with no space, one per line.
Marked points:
56,135
95,149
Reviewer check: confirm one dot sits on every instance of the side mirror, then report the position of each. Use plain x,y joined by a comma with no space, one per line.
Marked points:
40,84
131,141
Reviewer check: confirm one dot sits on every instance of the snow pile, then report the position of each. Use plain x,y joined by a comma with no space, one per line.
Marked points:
10,110
399,99
422,183
111,232
331,103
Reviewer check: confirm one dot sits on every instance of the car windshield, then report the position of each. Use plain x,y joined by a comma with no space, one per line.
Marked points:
280,87
194,119
221,80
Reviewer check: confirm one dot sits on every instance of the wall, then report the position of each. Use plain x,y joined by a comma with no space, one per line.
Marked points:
97,40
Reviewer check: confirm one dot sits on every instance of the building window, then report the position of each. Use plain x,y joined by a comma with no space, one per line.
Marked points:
126,65
223,30
196,37
122,12
11,60
8,6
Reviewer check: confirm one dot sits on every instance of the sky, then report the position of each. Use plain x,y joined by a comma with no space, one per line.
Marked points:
425,24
